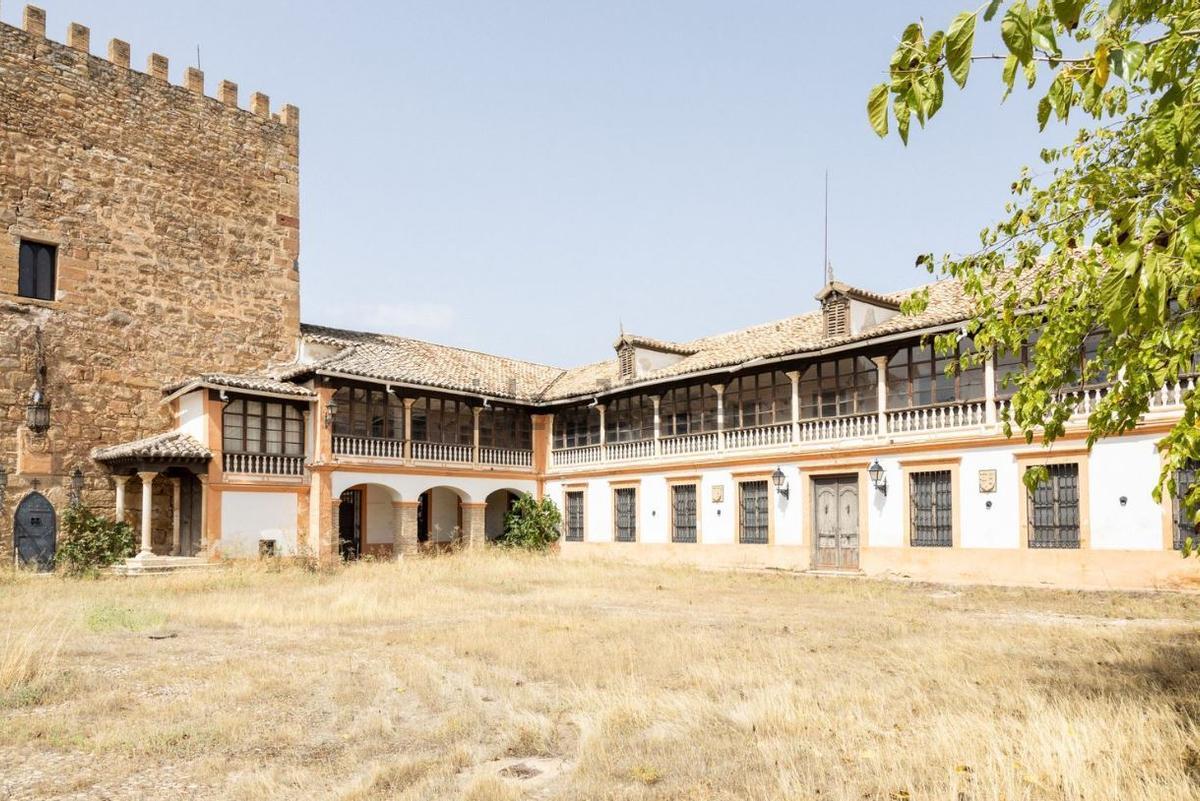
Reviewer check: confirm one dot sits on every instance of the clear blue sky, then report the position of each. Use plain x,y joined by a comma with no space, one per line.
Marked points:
518,176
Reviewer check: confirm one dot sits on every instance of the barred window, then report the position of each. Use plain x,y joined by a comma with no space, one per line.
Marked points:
683,513
1185,524
688,410
916,376
574,517
576,427
255,426
931,509
758,399
754,522
1054,509
625,514
838,388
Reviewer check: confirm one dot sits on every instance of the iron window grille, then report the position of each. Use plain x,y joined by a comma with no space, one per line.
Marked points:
1185,525
754,522
931,509
37,270
575,516
683,513
625,503
1054,509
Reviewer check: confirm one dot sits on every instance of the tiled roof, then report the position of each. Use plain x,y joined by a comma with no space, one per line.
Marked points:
252,383
854,292
412,361
797,335
173,445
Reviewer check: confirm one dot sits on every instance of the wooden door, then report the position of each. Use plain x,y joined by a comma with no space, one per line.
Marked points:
835,523
190,517
350,524
36,532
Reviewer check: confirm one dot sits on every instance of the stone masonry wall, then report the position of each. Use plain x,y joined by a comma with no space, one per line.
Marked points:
176,217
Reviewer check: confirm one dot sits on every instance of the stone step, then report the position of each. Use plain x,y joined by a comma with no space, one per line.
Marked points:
140,566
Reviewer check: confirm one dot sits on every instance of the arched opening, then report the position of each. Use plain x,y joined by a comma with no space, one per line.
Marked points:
35,529
499,504
368,521
440,517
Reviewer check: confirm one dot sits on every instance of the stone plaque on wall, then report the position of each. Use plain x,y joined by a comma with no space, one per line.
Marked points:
987,480
718,493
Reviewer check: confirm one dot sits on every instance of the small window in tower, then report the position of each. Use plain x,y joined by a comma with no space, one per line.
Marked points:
626,361
837,313
37,265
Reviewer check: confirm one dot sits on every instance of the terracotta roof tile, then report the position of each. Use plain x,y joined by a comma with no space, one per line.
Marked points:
160,447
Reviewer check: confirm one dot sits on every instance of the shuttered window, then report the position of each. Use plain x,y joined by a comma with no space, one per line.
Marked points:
683,513
575,516
625,514
837,316
931,509
36,269
1185,525
754,523
1054,509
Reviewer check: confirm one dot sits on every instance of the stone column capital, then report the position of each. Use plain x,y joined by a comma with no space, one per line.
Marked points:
120,480
147,476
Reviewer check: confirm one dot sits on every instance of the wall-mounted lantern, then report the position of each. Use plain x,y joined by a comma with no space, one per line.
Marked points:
331,411
37,411
878,479
76,486
780,481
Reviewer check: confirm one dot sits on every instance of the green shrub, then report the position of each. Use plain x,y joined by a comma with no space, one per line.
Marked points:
91,542
531,524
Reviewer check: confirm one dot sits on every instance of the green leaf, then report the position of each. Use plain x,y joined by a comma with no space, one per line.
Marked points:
1030,74
1100,61
1043,113
1016,29
1009,75
902,111
991,10
1043,35
877,110
960,40
1133,56
1067,12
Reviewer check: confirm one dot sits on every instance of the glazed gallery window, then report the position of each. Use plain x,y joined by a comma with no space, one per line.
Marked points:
574,516
625,514
255,426
37,267
1010,366
916,376
576,427
683,513
1054,509
754,512
505,427
931,509
364,412
629,419
688,410
839,388
443,420
762,399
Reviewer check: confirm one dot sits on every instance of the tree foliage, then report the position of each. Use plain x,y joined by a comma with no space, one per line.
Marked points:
91,542
1105,239
532,524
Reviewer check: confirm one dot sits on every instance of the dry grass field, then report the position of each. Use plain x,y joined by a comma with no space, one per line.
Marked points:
497,676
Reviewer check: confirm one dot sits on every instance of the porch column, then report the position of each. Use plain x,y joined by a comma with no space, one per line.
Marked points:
408,404
657,401
881,394
205,540
176,499
335,505
989,392
120,481
473,520
475,435
794,377
404,518
147,514
603,446
720,390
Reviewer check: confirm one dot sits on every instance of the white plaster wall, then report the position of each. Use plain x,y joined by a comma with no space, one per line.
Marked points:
864,315
1126,467
647,361
885,520
247,517
494,514
191,416
443,522
999,526
381,526
409,487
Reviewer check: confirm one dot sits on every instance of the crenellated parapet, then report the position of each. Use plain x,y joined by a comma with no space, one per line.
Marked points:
158,68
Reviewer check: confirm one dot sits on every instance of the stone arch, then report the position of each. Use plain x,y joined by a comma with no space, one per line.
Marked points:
367,520
443,515
35,531
497,504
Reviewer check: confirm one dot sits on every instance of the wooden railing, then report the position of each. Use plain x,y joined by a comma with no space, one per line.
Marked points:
689,443
372,447
937,418
263,464
759,437
442,452
573,457
506,457
834,428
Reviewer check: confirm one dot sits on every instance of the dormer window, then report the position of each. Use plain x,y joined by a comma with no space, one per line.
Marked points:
837,315
848,311
638,356
625,358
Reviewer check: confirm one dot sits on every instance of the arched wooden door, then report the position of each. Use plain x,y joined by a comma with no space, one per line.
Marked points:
35,528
